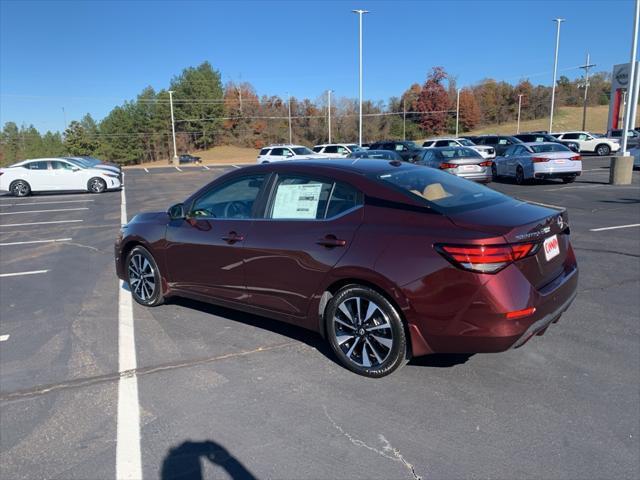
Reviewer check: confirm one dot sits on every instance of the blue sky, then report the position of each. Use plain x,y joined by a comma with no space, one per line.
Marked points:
88,56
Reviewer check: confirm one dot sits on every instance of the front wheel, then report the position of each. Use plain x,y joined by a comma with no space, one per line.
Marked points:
97,185
20,188
366,332
603,150
144,277
520,180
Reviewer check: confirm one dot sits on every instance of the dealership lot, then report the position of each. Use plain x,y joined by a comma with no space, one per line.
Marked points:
240,396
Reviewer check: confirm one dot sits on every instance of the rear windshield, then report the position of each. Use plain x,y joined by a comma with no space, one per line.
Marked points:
442,191
462,152
549,147
302,151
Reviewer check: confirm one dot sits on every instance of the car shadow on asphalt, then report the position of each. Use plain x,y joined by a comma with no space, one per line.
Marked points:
185,462
312,339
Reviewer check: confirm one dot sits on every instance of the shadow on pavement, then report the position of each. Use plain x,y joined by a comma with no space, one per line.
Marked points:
624,201
184,462
441,360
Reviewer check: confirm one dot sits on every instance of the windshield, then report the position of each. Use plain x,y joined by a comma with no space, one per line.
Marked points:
466,143
461,152
410,145
302,151
355,148
442,191
79,162
549,147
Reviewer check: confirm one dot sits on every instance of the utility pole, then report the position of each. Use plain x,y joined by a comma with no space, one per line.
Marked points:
586,68
519,110
404,118
289,105
555,71
240,98
329,112
360,13
632,79
173,128
457,111
64,114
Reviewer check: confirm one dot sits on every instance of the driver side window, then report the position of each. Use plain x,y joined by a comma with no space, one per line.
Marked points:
231,200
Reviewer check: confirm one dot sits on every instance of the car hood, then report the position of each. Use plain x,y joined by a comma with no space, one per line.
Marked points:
102,166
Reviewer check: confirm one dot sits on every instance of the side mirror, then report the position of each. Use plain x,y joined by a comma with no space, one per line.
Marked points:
176,211
75,169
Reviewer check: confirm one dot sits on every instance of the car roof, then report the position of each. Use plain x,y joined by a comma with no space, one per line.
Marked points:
358,166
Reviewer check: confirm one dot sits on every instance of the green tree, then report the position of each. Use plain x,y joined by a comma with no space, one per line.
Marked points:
78,140
11,147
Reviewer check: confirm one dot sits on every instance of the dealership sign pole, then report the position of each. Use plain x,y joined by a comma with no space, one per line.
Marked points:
329,112
519,109
360,13
632,75
555,71
173,127
457,111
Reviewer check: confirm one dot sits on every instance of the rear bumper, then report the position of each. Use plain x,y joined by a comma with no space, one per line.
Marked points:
485,177
479,324
568,174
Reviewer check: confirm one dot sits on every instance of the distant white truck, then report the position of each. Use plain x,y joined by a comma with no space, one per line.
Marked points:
485,151
279,153
590,143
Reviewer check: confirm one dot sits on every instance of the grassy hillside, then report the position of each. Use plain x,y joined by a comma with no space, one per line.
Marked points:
566,118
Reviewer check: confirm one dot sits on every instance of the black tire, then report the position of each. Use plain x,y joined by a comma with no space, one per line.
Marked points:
520,180
377,343
146,290
494,172
603,150
20,188
97,185
568,179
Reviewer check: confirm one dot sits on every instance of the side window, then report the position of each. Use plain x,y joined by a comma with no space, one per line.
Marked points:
570,136
343,198
427,156
331,149
231,200
265,151
300,198
287,152
37,165
491,140
57,165
342,150
584,136
317,149
508,152
400,147
277,152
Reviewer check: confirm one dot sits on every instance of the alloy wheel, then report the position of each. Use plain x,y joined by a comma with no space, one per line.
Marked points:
142,279
20,189
363,332
96,185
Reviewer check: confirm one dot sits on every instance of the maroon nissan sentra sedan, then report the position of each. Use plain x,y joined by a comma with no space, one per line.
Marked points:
386,260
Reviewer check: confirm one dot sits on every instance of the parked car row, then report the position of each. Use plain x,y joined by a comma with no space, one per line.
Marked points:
60,174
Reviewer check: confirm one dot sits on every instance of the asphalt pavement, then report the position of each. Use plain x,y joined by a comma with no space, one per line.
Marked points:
223,394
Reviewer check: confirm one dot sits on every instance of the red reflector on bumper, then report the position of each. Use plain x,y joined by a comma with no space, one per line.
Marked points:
521,313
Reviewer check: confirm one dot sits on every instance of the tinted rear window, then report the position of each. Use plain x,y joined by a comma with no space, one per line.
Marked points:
461,152
443,192
549,147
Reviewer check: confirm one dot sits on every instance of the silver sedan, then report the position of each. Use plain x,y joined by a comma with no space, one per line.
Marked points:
461,161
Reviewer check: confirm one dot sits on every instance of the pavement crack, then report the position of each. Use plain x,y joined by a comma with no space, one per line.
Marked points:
74,244
388,451
602,250
115,376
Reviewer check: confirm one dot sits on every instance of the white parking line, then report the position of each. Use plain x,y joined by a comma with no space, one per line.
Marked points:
4,338
236,166
146,170
17,274
614,228
205,167
36,197
128,457
177,168
36,241
39,223
42,203
50,210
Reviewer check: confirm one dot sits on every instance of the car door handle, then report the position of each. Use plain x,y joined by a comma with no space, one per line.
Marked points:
233,237
331,241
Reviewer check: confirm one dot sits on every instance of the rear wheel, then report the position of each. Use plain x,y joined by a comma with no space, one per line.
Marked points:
603,150
144,277
97,185
520,180
19,188
494,171
365,331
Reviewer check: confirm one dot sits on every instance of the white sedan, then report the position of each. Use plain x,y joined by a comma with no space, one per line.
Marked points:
55,174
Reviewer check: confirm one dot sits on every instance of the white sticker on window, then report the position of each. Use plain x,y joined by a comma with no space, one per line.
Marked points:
297,201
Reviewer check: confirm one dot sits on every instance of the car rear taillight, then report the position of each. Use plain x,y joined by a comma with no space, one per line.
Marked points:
488,163
576,157
444,166
540,159
486,258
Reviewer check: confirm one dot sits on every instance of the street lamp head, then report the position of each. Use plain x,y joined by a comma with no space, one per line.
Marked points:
559,20
360,11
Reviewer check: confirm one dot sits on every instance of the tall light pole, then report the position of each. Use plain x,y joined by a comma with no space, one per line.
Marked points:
519,110
457,111
329,112
555,71
632,79
64,114
173,127
360,13
586,68
404,118
289,106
